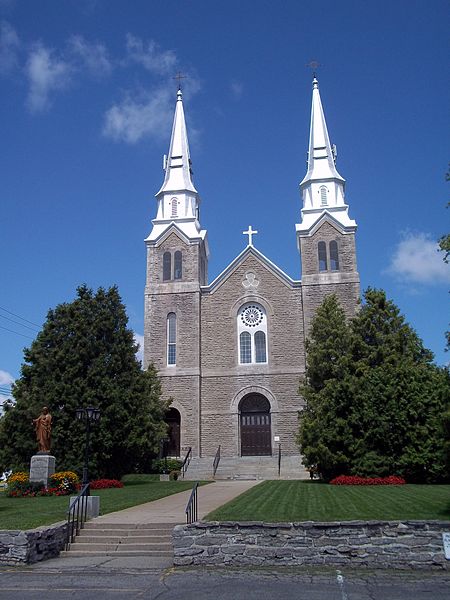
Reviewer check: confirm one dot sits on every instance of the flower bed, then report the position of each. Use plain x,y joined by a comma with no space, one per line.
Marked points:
102,484
356,480
60,484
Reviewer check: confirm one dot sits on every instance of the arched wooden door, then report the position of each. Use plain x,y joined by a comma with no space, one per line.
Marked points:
255,423
173,420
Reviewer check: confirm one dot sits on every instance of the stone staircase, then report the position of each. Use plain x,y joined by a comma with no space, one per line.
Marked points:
114,539
247,467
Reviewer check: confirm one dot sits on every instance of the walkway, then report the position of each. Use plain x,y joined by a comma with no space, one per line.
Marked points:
171,508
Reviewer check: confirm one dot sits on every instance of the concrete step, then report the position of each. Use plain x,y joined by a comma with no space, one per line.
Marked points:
135,528
106,547
150,553
123,533
110,539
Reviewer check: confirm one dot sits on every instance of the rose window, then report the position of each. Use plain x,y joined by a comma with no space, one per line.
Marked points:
252,316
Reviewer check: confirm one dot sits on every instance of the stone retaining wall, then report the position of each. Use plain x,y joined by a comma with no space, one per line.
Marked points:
375,544
30,546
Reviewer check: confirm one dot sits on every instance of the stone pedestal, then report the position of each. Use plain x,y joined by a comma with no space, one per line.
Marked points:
93,505
41,467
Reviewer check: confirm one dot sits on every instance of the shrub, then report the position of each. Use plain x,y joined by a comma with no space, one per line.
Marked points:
102,484
159,465
356,480
173,475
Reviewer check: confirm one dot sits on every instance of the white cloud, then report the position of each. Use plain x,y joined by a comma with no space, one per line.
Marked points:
93,55
139,339
46,74
6,378
9,46
135,118
151,57
416,260
237,89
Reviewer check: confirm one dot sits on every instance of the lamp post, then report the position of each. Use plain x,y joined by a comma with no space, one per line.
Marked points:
88,415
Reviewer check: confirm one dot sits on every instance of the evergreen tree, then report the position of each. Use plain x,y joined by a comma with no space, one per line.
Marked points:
325,431
380,412
85,356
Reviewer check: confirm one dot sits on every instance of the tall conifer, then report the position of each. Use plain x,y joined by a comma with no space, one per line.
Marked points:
85,356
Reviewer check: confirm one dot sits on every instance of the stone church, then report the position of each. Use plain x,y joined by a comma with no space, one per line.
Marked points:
234,381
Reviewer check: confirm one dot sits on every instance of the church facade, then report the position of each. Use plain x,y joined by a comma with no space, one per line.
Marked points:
230,352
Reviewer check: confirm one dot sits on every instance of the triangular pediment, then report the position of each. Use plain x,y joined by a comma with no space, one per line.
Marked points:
173,228
240,259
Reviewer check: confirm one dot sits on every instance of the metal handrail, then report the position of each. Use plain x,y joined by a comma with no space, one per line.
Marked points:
192,506
77,515
216,461
279,459
186,461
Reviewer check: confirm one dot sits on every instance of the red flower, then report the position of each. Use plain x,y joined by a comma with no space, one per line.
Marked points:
356,480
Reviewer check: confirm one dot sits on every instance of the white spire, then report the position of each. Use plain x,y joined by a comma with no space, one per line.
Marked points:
323,188
178,200
178,164
321,157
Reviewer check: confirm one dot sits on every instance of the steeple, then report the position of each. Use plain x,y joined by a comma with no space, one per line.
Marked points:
178,200
178,164
323,188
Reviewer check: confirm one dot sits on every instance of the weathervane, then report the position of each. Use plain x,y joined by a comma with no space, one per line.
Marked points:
314,65
179,76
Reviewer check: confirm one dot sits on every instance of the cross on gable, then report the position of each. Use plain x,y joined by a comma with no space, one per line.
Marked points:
250,232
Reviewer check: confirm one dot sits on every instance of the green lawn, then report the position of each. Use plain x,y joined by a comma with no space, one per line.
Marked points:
273,501
26,513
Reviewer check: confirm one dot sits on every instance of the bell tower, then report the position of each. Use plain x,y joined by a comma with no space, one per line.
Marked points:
177,263
326,234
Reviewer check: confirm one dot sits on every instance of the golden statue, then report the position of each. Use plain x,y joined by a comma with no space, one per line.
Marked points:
43,427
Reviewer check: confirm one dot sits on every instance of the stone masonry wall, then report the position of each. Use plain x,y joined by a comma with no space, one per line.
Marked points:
32,545
374,544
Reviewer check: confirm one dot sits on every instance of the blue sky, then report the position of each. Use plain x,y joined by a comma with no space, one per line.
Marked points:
86,104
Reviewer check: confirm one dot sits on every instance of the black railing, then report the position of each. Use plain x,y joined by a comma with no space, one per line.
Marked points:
216,461
77,515
192,506
186,461
279,459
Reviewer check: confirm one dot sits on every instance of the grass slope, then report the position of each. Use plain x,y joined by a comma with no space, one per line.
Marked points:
273,501
27,513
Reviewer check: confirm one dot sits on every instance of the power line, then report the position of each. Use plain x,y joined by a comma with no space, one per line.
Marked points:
18,316
16,332
19,323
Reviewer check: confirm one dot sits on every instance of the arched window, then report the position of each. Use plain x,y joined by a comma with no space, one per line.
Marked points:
171,339
178,265
174,203
260,347
252,332
322,249
245,343
323,196
334,256
167,266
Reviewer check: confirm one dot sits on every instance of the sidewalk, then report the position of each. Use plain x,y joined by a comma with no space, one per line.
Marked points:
171,508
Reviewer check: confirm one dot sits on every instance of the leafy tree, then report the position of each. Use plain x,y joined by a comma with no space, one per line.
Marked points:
393,395
85,356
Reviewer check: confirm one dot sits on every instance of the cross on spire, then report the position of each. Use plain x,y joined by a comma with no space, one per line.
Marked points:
313,65
250,232
179,76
